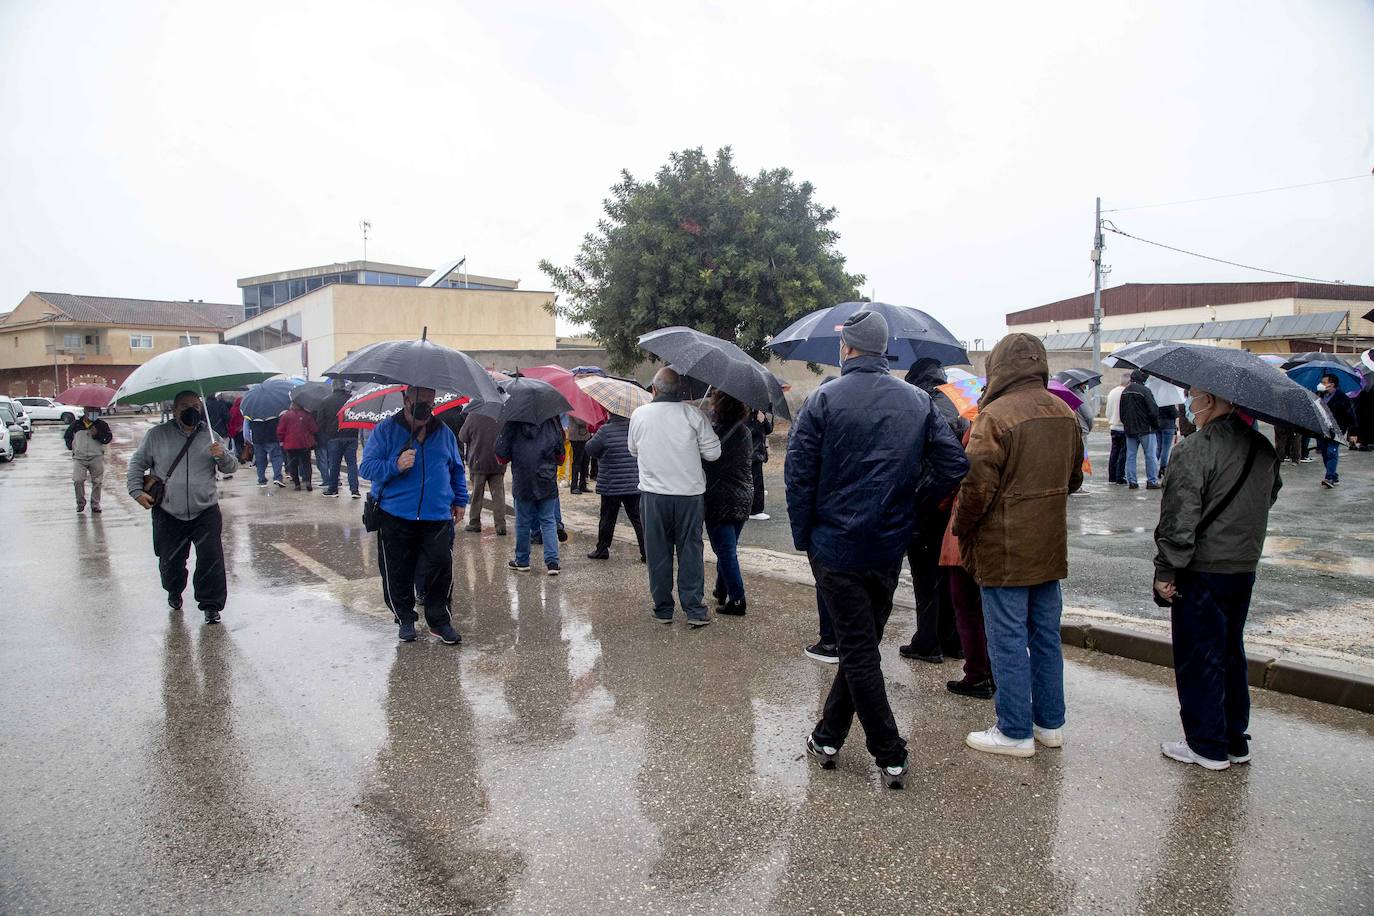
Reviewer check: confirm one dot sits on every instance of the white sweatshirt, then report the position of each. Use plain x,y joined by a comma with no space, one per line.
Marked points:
671,439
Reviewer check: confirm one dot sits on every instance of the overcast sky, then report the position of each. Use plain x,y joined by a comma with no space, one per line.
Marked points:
163,150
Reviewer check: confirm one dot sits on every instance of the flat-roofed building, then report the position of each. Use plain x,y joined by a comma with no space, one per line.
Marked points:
268,291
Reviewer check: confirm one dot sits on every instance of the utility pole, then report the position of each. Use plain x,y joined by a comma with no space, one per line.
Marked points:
1097,287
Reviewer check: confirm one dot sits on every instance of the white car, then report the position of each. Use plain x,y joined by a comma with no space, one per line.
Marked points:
48,409
20,414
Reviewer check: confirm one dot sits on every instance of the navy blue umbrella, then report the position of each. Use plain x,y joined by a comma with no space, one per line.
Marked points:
912,335
1310,373
268,400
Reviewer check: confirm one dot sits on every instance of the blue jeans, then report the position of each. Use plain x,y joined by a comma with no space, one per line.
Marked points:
1164,444
1331,452
336,453
528,513
724,541
1022,624
1147,445
262,454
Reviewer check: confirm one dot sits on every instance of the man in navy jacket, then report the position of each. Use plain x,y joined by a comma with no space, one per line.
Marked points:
867,454
417,479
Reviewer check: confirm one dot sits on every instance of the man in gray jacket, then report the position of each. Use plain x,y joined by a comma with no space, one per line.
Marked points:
184,456
1212,520
86,439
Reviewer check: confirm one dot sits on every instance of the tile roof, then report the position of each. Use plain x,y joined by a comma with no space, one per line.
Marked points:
144,312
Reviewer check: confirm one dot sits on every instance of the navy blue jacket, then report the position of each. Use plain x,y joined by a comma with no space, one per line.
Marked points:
617,470
858,453
434,484
534,454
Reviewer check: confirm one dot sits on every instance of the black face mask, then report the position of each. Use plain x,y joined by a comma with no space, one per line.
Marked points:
190,416
422,410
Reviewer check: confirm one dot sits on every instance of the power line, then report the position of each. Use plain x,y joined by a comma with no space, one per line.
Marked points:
1198,200
1110,228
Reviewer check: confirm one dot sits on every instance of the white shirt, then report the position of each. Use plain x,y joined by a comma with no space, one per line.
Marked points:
671,439
1114,408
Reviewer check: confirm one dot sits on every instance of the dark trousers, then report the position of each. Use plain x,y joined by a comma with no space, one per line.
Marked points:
298,465
1288,443
827,626
935,633
859,602
672,527
967,599
579,466
757,506
1116,460
1210,668
172,541
416,556
338,454
610,511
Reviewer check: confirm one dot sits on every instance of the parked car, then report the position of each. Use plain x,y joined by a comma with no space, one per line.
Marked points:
20,414
6,450
18,441
48,409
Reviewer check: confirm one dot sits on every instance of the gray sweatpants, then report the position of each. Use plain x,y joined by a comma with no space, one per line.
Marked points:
673,524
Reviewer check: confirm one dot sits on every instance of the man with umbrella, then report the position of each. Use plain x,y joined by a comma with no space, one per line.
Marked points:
1329,390
1140,419
532,443
418,482
86,439
337,446
184,456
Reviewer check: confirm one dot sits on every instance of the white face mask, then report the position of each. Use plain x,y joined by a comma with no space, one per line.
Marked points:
1321,387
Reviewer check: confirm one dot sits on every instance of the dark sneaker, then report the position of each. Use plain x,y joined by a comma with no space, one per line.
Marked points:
500,532
599,555
446,635
825,754
334,494
663,620
96,509
309,488
979,690
80,509
356,495
562,534
280,483
697,623
174,602
512,565
823,652
1153,486
406,632
909,651
475,529
1329,484
212,616
262,484
1133,486
894,777
553,569
732,608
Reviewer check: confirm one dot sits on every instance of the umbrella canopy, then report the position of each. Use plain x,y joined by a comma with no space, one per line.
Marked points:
616,395
1126,356
1075,377
1166,395
1310,373
373,403
1311,356
529,400
966,392
958,375
268,400
204,368
1367,357
1242,378
97,396
588,370
584,407
719,364
422,363
311,395
912,335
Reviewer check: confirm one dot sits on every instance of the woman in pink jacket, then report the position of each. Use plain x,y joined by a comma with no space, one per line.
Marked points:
296,428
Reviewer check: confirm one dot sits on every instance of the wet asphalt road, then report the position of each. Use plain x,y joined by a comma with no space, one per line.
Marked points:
573,757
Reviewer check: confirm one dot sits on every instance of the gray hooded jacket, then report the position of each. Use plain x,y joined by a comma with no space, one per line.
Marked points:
191,489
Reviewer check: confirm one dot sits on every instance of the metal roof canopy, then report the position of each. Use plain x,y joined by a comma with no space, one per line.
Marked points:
1076,341
1237,329
1122,335
1171,332
1315,323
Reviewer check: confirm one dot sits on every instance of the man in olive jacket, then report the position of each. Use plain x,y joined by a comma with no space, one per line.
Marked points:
1212,520
1025,457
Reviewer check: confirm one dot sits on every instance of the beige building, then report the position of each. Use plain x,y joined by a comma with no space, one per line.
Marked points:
52,341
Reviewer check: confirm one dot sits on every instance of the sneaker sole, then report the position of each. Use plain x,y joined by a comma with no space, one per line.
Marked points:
824,659
1213,765
518,568
1001,750
698,624
663,620
1236,760
823,760
552,572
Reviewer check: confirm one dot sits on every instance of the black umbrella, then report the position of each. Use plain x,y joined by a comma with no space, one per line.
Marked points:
719,364
528,400
1311,356
912,336
1072,378
312,395
422,363
1242,378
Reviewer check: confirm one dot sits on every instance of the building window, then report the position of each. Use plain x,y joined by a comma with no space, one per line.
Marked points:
280,333
71,341
297,288
140,341
313,283
190,340
348,278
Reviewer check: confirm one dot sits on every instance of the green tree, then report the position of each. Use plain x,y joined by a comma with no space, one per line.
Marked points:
703,246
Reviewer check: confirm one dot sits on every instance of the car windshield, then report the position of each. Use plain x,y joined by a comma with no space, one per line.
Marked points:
6,414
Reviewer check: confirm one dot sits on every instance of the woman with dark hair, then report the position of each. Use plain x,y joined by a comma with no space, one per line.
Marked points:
729,497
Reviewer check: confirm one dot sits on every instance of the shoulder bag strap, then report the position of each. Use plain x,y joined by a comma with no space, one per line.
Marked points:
1231,494
182,454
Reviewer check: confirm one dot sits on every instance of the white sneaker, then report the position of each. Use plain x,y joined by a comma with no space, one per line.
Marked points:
993,741
1180,751
759,517
1050,737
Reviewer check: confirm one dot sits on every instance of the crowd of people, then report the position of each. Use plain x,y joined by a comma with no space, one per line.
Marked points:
879,470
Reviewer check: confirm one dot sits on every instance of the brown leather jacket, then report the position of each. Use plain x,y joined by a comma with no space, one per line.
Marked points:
1025,457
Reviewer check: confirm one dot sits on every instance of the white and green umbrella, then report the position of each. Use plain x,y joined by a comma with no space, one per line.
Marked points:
203,368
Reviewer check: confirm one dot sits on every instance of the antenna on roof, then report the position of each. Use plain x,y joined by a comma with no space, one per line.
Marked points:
365,225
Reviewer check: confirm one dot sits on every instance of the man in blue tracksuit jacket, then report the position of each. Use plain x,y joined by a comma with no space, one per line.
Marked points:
417,478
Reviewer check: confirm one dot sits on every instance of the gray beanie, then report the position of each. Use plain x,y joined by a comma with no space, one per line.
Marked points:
865,331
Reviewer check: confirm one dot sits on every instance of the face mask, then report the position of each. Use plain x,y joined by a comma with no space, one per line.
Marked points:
1321,388
422,410
1188,410
190,416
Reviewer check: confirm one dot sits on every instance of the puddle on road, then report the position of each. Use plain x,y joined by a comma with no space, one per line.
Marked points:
1096,531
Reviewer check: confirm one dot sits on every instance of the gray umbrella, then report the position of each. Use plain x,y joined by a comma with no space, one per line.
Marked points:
1311,356
422,363
1242,378
312,395
530,400
913,335
719,364
1072,378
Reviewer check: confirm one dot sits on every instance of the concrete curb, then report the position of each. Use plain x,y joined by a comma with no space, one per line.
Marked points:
1323,685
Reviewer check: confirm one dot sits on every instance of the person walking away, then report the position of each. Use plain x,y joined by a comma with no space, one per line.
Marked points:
1116,459
578,434
266,447
860,450
1165,436
534,452
183,455
1212,520
86,439
477,441
671,438
1140,419
418,482
935,635
337,447
728,498
236,440
760,427
617,483
297,428
1025,456
1329,390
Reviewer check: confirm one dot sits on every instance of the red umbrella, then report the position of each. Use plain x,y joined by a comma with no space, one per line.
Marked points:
97,396
584,407
371,404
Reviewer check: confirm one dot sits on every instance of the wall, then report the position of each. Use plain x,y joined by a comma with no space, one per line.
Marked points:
1359,326
1204,314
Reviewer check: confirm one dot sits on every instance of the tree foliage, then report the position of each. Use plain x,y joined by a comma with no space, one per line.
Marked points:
703,246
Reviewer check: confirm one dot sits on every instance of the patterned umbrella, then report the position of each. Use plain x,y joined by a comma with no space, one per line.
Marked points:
966,392
371,404
616,395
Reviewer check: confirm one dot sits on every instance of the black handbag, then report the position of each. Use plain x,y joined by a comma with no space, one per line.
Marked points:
372,506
